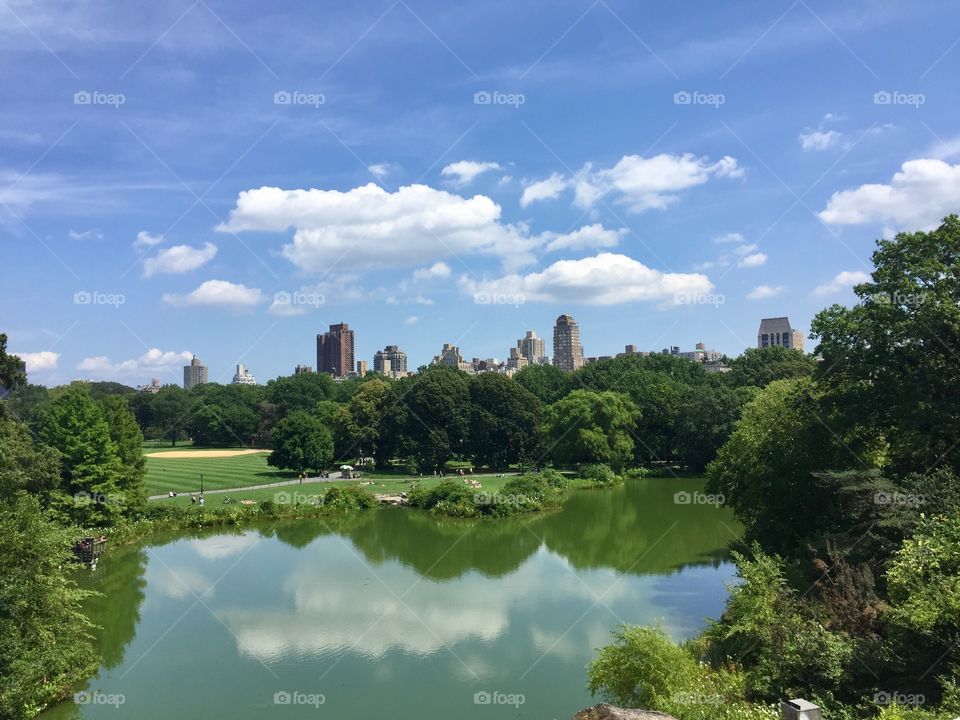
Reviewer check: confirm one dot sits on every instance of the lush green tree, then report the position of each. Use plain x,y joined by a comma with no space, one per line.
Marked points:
92,471
26,402
433,410
44,636
924,586
592,427
301,442
24,464
504,419
766,469
170,409
890,362
360,420
126,434
12,371
300,392
705,419
761,366
546,382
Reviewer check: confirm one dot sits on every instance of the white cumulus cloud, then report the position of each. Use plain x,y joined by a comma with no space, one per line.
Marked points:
762,292
370,227
379,170
437,270
842,281
146,239
464,171
650,183
604,279
917,197
752,260
819,139
546,189
39,361
179,259
219,293
589,236
151,363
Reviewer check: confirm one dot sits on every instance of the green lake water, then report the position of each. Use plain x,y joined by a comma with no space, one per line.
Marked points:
396,613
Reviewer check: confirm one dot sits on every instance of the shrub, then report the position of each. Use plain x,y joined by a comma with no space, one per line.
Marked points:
349,497
554,478
599,475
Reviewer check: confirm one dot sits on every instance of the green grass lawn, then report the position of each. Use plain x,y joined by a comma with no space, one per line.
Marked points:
183,474
490,483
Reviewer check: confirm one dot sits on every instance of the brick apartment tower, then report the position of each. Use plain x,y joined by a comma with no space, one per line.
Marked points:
335,351
567,350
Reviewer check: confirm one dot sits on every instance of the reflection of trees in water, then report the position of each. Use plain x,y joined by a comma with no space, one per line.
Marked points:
638,529
446,548
116,611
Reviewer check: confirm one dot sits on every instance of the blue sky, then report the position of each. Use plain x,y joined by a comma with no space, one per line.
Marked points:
228,179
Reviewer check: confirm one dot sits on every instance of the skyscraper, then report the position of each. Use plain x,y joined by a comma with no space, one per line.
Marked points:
194,374
533,349
335,351
777,332
567,350
390,359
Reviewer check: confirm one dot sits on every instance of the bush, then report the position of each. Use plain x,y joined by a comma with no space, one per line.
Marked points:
636,473
599,475
781,641
554,478
348,497
645,668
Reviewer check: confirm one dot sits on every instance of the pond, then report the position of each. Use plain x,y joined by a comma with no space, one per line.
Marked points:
397,613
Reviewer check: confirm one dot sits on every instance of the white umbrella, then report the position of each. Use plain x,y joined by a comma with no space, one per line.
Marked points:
346,467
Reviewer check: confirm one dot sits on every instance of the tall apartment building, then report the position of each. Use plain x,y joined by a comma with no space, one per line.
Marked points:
390,359
361,368
335,351
777,332
567,350
533,349
302,370
243,376
450,356
194,374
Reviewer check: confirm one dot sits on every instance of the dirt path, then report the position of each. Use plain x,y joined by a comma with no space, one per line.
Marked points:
175,454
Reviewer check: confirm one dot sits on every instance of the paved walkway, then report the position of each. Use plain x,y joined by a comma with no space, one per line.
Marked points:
282,483
312,480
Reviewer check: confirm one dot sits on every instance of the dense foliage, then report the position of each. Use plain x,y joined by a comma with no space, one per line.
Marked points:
845,475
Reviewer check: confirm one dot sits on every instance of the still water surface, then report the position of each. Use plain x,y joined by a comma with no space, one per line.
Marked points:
396,613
